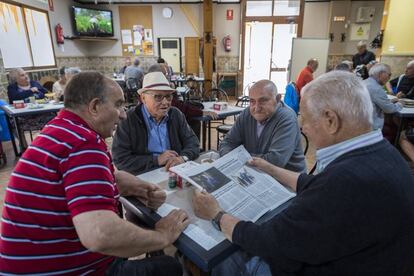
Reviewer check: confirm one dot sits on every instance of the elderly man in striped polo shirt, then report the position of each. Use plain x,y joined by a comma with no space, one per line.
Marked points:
60,213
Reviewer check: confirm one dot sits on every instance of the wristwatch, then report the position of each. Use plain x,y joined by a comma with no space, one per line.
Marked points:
216,220
185,158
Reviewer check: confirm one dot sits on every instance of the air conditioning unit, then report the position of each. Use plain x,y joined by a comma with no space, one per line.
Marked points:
365,14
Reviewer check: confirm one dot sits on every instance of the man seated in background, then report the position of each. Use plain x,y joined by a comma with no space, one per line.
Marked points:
168,69
379,75
60,85
267,129
133,75
306,75
154,133
127,63
61,211
404,84
363,57
354,217
22,88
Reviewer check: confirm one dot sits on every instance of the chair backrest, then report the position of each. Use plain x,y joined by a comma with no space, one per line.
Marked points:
243,101
291,97
133,84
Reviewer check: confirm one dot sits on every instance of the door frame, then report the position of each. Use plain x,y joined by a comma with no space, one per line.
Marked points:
297,19
179,49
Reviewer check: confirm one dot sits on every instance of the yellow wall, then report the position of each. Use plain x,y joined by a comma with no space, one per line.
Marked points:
399,30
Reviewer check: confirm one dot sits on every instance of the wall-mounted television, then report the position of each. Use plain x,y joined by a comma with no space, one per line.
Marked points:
92,22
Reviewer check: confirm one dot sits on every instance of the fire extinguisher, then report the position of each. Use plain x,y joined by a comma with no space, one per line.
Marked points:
59,34
227,43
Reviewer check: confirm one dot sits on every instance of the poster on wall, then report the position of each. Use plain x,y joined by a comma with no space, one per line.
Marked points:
138,31
126,36
360,31
148,35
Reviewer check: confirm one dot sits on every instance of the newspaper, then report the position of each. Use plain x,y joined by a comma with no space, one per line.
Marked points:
242,191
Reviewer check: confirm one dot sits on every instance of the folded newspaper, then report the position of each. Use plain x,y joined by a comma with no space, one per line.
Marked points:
243,191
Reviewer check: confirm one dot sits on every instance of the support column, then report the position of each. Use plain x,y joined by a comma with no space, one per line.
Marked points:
208,44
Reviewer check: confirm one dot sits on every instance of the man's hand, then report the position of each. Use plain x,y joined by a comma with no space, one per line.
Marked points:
394,100
400,95
149,194
34,89
173,162
163,158
261,164
205,205
172,225
212,114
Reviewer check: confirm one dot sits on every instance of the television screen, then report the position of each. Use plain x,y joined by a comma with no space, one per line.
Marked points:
92,22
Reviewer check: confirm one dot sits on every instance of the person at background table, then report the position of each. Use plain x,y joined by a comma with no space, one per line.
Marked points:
306,75
404,84
154,133
363,56
66,74
379,75
354,217
190,110
22,88
268,129
134,73
127,63
62,200
168,69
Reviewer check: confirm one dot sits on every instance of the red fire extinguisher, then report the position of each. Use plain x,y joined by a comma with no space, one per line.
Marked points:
227,43
59,34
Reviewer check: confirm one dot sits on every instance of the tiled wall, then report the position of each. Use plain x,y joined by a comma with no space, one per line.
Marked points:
397,63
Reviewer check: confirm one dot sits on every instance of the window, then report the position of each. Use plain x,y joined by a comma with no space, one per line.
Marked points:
25,38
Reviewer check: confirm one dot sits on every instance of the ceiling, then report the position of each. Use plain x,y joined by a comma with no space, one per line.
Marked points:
151,1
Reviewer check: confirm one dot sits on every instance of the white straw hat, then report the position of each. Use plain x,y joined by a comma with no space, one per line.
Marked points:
155,81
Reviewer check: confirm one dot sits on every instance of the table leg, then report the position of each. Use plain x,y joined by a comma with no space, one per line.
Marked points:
9,125
20,134
397,136
209,134
204,132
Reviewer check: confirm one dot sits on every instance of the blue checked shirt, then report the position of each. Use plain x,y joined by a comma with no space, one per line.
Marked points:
158,140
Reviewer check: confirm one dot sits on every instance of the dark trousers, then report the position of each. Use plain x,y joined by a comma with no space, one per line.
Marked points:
161,265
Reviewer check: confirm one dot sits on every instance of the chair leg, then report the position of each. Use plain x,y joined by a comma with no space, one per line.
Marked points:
31,135
218,139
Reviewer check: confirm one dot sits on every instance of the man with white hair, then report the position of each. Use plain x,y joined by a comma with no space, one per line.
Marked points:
379,75
154,133
404,84
363,57
354,217
267,129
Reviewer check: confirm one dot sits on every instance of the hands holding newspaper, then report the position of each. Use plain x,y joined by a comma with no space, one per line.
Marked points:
205,205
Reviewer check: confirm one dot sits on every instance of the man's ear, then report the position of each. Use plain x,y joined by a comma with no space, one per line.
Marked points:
331,120
93,106
278,97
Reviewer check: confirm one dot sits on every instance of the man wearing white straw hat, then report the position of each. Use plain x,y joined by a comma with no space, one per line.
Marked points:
154,133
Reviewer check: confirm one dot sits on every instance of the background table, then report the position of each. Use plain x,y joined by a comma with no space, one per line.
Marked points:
402,115
13,113
206,120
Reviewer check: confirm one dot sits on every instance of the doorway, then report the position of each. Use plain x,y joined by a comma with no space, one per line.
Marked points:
268,30
170,50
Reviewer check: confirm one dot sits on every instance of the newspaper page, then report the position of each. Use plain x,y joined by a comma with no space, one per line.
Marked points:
242,191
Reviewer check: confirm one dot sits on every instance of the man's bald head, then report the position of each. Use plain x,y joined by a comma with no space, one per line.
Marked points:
313,63
263,100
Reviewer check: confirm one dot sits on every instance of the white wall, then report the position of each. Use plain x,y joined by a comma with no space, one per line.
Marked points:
316,19
177,26
350,46
223,27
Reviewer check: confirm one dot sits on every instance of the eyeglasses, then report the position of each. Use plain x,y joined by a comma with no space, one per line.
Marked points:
158,97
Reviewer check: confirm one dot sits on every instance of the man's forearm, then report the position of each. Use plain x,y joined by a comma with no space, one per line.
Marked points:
286,177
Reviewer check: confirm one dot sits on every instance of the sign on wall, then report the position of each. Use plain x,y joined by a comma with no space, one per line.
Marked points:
360,31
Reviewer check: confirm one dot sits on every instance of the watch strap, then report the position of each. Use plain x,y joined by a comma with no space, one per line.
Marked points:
216,220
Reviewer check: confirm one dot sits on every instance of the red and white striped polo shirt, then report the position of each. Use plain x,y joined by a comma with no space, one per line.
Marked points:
67,170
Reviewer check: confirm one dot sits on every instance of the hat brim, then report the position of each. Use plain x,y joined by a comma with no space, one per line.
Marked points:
142,90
